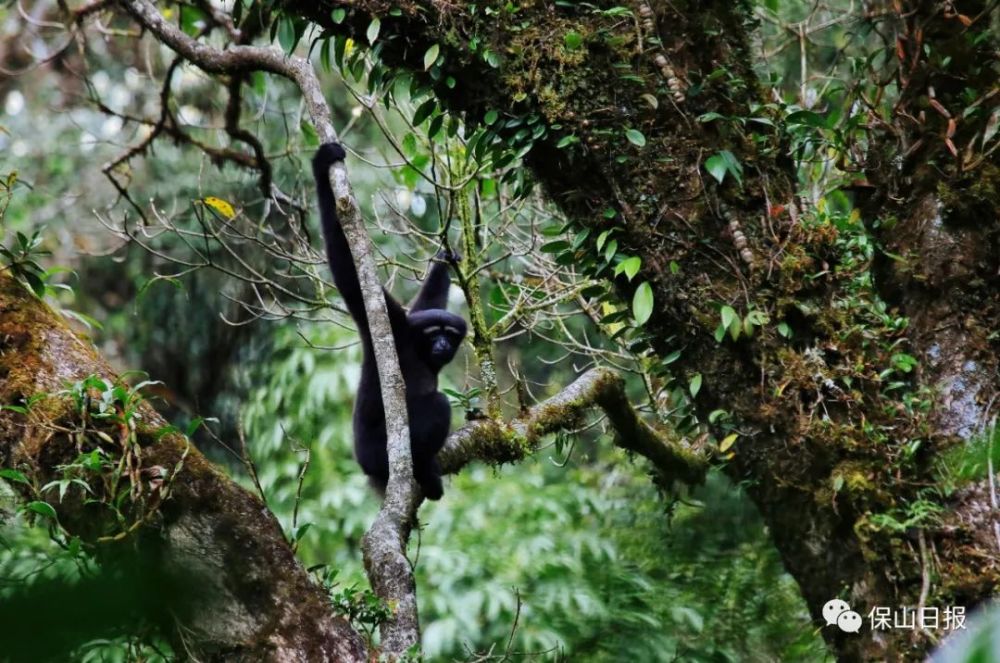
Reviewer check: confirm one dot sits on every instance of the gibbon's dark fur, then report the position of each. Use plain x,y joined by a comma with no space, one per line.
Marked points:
427,338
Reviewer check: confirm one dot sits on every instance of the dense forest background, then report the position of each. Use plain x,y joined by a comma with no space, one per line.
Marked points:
578,552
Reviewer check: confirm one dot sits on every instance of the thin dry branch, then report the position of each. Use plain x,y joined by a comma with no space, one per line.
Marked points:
389,571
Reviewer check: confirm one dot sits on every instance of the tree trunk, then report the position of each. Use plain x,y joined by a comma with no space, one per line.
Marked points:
841,442
225,571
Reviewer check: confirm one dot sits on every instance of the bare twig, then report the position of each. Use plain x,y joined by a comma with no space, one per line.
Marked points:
384,544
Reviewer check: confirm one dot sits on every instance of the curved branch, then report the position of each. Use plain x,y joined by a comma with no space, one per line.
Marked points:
496,442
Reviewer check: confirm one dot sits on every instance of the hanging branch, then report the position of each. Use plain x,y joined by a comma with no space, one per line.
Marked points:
389,571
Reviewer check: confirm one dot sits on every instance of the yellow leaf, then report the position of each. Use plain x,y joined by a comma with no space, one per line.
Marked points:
855,216
220,206
728,442
348,47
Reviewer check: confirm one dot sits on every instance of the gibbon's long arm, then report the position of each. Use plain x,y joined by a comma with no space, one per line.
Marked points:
338,251
434,292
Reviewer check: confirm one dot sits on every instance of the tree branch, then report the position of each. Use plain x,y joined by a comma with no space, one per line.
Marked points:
495,442
384,545
237,591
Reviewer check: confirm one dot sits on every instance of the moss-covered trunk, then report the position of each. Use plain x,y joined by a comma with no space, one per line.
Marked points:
227,580
841,437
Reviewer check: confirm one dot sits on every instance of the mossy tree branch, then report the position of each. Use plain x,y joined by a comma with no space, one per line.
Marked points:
242,592
498,442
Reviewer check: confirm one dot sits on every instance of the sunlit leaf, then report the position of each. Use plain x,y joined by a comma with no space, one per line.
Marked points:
431,56
642,303
373,30
221,206
635,137
694,386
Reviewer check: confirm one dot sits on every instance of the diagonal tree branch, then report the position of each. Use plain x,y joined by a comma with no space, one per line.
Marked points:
493,441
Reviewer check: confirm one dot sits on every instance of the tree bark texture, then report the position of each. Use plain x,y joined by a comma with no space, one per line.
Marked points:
829,451
241,594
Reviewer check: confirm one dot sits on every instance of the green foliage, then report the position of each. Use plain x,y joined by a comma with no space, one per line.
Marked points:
362,607
602,573
21,258
600,570
588,547
724,163
970,461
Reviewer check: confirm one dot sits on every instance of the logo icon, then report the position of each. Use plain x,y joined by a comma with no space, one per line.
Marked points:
838,612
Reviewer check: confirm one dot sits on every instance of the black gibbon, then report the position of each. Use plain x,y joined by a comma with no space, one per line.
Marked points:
426,337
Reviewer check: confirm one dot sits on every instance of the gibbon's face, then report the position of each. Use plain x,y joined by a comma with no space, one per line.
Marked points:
438,343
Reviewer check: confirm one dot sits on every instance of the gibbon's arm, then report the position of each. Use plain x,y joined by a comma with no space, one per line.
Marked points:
434,292
338,251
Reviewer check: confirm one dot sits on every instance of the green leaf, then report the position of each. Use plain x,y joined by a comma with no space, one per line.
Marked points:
490,117
610,250
431,56
904,362
694,386
602,238
13,475
784,329
710,117
566,141
573,40
808,118
309,135
723,163
733,166
728,315
629,266
435,127
635,137
373,29
642,303
41,508
286,34
715,415
716,167
557,246
338,15
424,111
